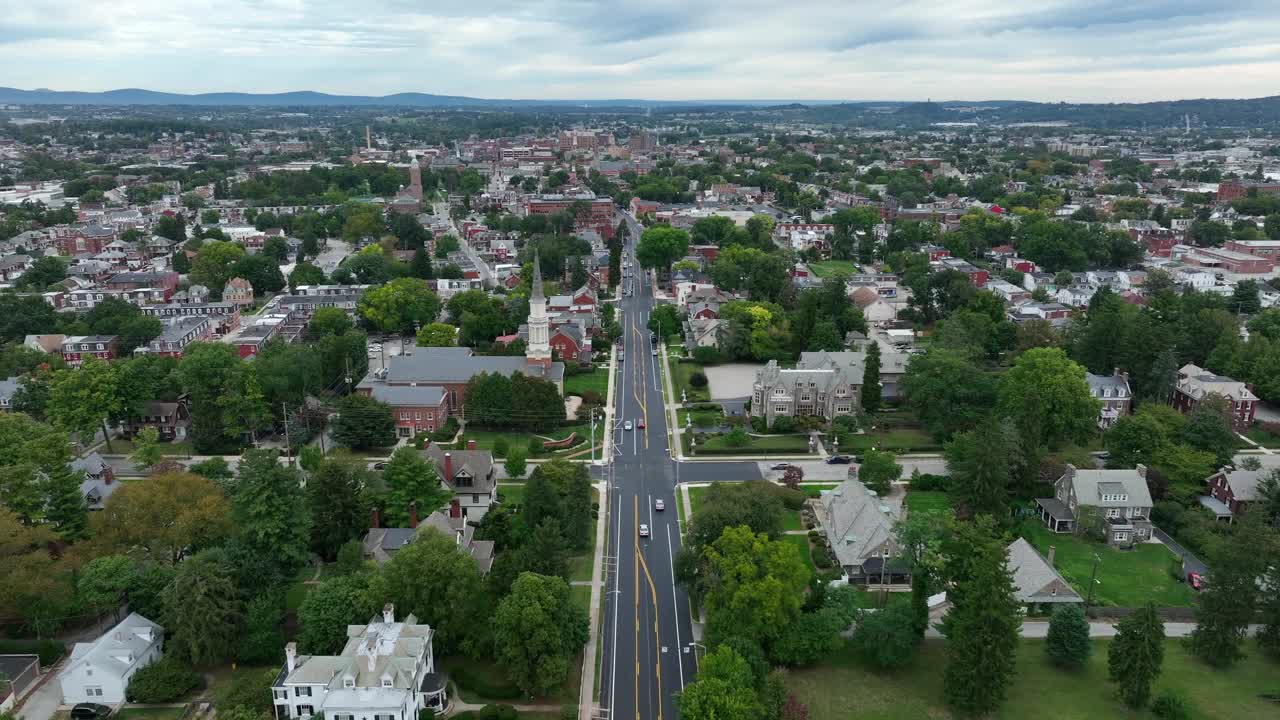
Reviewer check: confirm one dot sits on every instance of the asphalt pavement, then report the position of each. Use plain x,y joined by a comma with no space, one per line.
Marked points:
646,624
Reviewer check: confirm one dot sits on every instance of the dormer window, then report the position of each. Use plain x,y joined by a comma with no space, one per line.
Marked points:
348,682
386,681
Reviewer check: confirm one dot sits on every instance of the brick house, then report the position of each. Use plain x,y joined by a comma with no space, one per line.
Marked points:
1231,489
78,347
238,291
170,419
1195,384
1114,393
178,333
165,282
415,408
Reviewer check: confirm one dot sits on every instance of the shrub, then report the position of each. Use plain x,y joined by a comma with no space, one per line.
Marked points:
791,499
784,425
929,482
1171,705
821,558
886,639
248,690
707,355
737,438
161,682
426,714
484,686
698,380
50,651
497,712
758,424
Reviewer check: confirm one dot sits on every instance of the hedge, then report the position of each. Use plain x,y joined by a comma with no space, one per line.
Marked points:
482,686
50,651
161,682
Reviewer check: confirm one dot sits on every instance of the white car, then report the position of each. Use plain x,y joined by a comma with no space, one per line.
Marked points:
644,531
659,505
626,425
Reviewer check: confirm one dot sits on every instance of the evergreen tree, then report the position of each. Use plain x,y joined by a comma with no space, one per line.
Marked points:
1163,376
1227,604
181,263
1136,655
202,608
420,267
871,379
1067,643
1269,635
983,623
980,465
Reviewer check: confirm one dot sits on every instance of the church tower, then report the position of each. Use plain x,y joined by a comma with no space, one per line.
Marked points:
415,178
538,350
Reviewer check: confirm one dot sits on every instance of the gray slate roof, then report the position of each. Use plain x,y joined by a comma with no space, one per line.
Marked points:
1090,485
856,520
458,365
1034,580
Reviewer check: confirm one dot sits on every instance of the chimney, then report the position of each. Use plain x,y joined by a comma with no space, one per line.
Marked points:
108,476
413,514
471,445
291,656
1053,550
389,613
455,508
448,468
426,443
376,519
1142,470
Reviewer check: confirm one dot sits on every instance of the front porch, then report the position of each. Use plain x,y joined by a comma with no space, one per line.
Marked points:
1056,515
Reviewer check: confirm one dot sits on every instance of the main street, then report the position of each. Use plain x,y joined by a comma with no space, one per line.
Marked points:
646,624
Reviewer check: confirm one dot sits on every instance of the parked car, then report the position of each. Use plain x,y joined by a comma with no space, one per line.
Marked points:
1195,580
780,466
655,352
644,531
90,711
380,466
839,460
626,425
659,505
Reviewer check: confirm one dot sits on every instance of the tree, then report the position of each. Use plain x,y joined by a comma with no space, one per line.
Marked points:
878,471
1269,635
165,518
202,609
537,632
329,608
36,479
172,227
437,335
753,504
725,689
269,510
1067,643
399,305
330,321
811,638
335,506
948,391
753,586
980,463
214,264
1047,396
304,273
1227,605
80,401
163,681
514,463
871,379
103,582
262,272
146,449
665,321
420,266
1136,655
453,603
44,272
660,246
1209,428
262,640
983,624
412,481
793,476
886,640
363,423
1140,437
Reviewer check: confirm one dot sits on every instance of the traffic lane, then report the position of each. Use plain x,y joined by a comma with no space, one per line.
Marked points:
721,471
621,650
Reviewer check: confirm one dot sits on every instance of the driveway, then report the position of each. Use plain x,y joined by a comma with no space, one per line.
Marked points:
1190,563
733,380
44,701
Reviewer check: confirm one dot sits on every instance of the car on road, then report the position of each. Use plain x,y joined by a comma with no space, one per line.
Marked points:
379,466
622,355
1196,581
90,711
626,425
779,466
644,531
655,352
640,423
839,460
659,505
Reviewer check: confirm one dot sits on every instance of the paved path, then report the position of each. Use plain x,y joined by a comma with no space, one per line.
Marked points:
1040,629
587,687
1190,563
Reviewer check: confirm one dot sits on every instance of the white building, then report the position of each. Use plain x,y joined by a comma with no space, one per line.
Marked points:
386,672
100,671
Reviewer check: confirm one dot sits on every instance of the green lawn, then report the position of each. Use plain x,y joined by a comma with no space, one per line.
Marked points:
511,494
680,374
826,268
487,439
160,713
597,379
581,596
701,418
927,501
1262,437
299,588
770,444
833,688
1127,578
900,439
120,446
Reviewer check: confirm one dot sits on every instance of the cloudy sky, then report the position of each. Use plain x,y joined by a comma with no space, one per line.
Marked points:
1074,50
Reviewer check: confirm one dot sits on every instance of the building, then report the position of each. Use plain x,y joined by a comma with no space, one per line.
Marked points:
1114,503
178,333
386,671
1114,393
1195,384
8,388
875,309
380,543
416,409
825,384
470,474
1258,248
858,525
170,419
591,212
99,479
1035,581
1232,488
238,291
77,348
1240,263
99,671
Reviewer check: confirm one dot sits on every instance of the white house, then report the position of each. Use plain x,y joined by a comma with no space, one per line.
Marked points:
99,671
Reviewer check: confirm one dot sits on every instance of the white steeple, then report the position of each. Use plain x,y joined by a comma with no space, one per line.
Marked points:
538,350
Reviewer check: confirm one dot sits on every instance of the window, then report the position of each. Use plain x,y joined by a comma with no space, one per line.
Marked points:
1122,536
386,682
780,408
475,499
305,710
302,691
93,691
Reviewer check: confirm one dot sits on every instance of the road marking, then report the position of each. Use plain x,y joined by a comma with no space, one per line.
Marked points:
613,659
636,540
675,599
653,595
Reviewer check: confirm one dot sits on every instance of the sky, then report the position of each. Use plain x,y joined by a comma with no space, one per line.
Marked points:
1046,50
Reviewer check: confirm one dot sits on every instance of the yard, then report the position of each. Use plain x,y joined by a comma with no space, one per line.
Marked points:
301,586
1126,578
681,372
487,439
485,682
899,439
927,501
756,445
827,268
1261,434
150,713
790,519
1039,690
121,446
597,380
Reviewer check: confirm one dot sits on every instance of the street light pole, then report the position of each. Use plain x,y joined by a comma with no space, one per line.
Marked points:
1093,580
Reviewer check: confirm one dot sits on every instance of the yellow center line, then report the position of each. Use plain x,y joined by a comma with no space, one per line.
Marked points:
636,585
657,642
644,379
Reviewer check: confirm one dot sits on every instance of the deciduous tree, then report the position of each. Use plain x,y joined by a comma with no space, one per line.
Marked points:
363,423
412,481
335,505
165,518
202,609
537,632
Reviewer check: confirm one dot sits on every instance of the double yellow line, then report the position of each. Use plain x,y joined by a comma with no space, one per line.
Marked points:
639,387
653,595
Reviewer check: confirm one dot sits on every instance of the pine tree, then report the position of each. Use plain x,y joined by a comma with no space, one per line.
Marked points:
420,266
982,625
871,379
1227,604
1269,635
1067,643
1136,655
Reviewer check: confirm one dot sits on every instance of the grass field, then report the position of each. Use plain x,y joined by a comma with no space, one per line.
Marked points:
801,544
597,380
486,439
680,374
927,501
1039,690
159,713
789,444
581,596
120,446
1127,578
826,268
901,439
298,589
512,494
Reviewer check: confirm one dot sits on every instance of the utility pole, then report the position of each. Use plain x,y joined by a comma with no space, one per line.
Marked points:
288,446
1093,580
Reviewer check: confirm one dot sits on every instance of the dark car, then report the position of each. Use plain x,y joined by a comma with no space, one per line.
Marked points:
90,711
839,460
779,466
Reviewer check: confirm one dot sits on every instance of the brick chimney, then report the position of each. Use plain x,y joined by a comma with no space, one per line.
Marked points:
108,476
471,445
413,514
375,519
1142,470
1053,550
455,508
291,656
448,468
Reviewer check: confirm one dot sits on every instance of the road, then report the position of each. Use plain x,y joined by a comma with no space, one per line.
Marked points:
486,277
646,624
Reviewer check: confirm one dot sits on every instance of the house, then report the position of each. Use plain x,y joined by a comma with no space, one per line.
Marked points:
99,479
470,474
700,332
1116,501
875,309
858,524
8,388
386,671
1035,580
99,671
78,347
380,543
1232,488
20,674
1114,393
1195,384
238,291
178,333
415,408
170,419
824,384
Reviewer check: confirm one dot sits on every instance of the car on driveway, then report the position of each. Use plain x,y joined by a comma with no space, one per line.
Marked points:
659,505
644,531
839,460
1195,580
90,711
626,425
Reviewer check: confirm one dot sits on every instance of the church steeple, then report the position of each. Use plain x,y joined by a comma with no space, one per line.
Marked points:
538,351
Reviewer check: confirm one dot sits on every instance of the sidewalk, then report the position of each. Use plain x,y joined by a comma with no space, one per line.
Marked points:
669,404
587,689
1040,629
